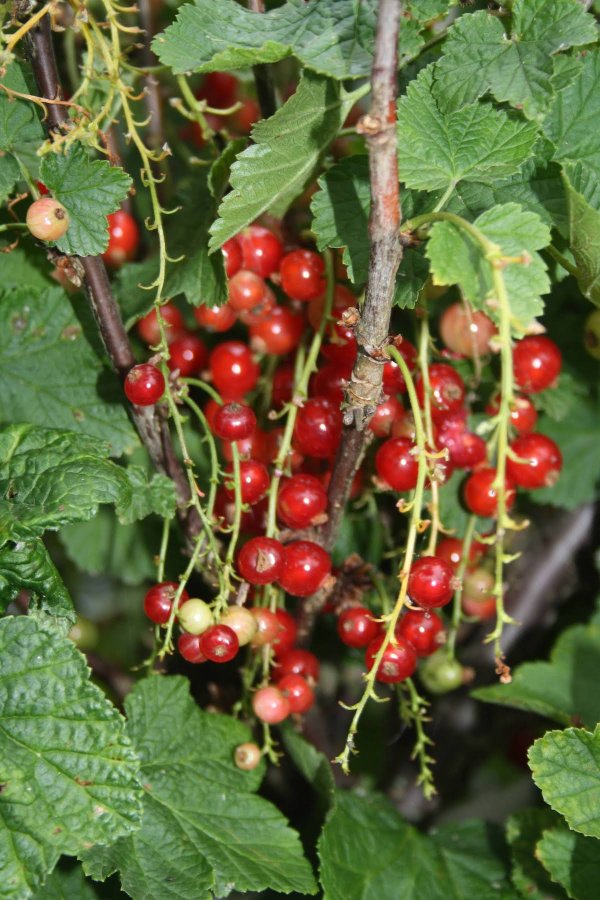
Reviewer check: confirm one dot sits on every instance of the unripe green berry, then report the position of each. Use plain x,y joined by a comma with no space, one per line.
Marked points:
195,616
440,673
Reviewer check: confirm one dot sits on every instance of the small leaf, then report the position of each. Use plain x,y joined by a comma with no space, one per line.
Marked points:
572,860
21,132
314,766
565,765
218,176
523,831
29,567
89,190
148,496
67,769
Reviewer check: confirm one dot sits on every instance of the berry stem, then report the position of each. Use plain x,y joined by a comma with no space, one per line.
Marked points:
212,450
424,341
460,574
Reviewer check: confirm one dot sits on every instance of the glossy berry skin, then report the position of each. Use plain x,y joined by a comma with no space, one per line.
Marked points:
287,632
234,422
219,643
187,355
447,391
270,705
477,598
148,329
47,219
542,461
297,661
215,318
261,249
254,481
430,582
466,331
450,550
305,568
267,626
278,332
195,616
318,428
189,648
298,692
233,369
356,627
219,89
523,415
398,662
537,362
481,496
144,385
393,379
232,256
282,387
423,629
302,274
246,290
330,381
247,756
260,560
240,620
300,500
466,450
123,239
396,466
388,411
158,601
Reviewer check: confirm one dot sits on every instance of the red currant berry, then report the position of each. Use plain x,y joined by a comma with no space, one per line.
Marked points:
466,450
450,550
342,300
189,648
540,465
270,705
47,219
42,189
219,89
300,500
423,629
240,620
282,388
232,256
254,481
305,568
234,422
287,632
233,369
123,239
523,415
144,385
279,332
481,496
393,379
396,465
297,661
302,275
247,756
404,426
318,428
430,582
298,692
267,626
330,381
447,390
357,627
187,355
262,250
246,290
385,415
465,331
215,318
477,598
219,643
148,329
398,662
245,116
537,363
158,601
211,408
260,560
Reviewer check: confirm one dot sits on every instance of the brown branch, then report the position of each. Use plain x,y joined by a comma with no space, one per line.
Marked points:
265,89
152,97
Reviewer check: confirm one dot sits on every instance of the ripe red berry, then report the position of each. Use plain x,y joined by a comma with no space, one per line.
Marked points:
318,428
357,627
158,601
523,415
398,662
267,626
144,385
270,705
246,290
541,461
234,422
219,89
329,382
385,415
300,500
245,116
447,390
298,692
278,332
466,450
393,379
466,331
450,550
187,355
430,582
262,250
219,643
260,560
189,648
477,598
215,318
297,661
396,465
302,275
47,219
233,369
423,629
148,329
254,481
123,239
232,256
287,632
537,363
282,387
305,568
481,497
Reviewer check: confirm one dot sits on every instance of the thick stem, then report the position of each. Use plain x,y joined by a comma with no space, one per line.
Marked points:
265,89
152,97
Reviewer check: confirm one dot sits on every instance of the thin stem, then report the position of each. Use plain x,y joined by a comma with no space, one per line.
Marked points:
212,450
434,487
460,574
162,554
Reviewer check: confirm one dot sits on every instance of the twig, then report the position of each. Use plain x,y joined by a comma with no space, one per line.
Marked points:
152,98
263,79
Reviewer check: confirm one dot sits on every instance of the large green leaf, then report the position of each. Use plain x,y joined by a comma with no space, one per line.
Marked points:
49,368
67,768
20,129
438,150
29,567
89,190
572,860
49,478
368,852
479,57
584,229
523,831
558,689
566,767
203,828
573,114
105,547
287,147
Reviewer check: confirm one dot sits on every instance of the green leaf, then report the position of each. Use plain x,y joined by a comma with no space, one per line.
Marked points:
25,270
411,277
556,402
314,766
584,230
558,689
89,190
565,765
218,176
569,123
368,852
287,148
155,495
523,831
49,478
67,769
66,885
203,829
479,57
456,258
20,129
134,299
438,150
49,367
29,567
572,860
